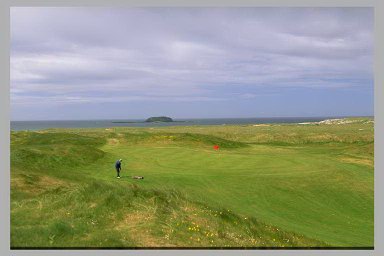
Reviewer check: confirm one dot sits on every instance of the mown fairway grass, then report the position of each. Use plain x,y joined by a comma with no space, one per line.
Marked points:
276,185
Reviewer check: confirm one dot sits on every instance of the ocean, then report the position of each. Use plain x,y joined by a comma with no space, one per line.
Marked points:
40,125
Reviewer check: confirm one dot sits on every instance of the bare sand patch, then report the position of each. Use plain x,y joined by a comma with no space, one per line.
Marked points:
261,125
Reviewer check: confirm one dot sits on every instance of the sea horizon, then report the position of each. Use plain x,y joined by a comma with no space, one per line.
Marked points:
192,118
19,125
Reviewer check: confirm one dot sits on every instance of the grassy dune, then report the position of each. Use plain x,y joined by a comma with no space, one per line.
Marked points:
273,185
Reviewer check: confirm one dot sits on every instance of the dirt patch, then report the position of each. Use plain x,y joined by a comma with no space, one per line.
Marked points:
138,217
113,141
20,185
52,182
351,160
35,184
139,224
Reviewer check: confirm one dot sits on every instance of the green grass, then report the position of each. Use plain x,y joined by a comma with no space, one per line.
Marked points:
277,185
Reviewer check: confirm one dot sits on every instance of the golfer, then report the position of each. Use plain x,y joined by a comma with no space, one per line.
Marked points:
118,167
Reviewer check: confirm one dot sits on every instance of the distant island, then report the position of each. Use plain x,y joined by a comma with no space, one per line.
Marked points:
159,119
153,119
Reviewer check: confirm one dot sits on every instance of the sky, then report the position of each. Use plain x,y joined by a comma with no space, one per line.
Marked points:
133,63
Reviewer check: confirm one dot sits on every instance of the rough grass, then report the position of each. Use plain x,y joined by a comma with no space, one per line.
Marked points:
277,185
105,215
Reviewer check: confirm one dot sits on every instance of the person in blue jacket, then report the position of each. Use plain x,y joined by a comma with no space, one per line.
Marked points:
118,167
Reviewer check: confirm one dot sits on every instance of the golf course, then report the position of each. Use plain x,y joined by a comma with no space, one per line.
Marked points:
265,185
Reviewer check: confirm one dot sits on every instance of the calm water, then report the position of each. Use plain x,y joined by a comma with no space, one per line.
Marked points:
39,125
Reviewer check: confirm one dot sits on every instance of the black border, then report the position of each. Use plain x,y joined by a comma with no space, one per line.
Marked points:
195,248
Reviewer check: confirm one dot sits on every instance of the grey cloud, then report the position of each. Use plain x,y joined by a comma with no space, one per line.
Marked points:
186,52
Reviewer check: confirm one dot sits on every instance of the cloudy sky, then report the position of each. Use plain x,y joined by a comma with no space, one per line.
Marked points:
109,63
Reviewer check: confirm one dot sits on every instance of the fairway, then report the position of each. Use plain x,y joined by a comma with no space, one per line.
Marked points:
276,185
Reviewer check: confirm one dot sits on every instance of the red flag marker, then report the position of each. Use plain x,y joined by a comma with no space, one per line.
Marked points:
216,147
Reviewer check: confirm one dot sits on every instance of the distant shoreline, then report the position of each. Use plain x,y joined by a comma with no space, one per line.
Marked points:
139,120
41,125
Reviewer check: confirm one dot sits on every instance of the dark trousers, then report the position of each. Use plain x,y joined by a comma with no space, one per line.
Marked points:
118,171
